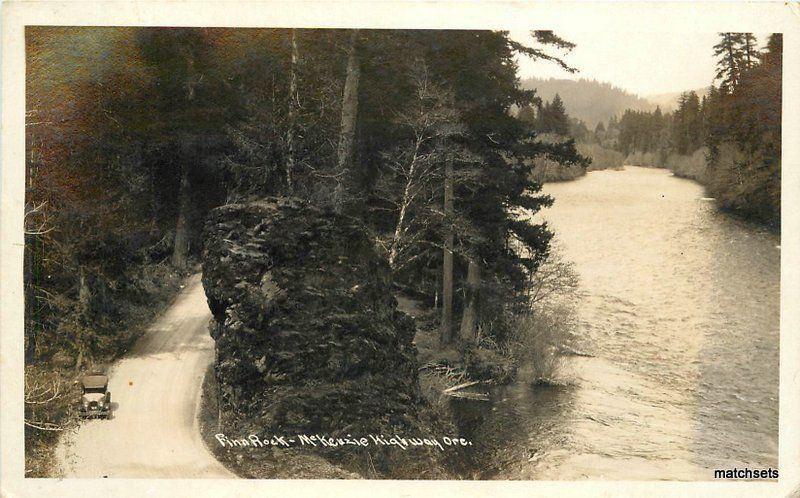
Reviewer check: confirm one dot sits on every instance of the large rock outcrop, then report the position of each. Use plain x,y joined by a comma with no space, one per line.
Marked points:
308,337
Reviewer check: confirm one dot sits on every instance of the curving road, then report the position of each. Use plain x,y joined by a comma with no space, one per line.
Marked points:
155,388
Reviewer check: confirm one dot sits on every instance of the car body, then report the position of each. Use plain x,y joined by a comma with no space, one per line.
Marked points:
95,398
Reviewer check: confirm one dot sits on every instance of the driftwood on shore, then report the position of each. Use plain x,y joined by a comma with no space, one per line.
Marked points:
456,391
457,375
462,386
469,395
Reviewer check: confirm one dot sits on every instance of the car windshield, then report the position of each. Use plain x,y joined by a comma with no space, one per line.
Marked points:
91,390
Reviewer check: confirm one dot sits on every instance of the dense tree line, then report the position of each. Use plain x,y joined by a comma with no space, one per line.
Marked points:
736,127
133,134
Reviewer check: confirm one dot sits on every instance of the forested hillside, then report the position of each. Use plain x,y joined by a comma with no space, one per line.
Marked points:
590,101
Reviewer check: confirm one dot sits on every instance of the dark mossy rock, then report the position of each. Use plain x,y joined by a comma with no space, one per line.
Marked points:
308,336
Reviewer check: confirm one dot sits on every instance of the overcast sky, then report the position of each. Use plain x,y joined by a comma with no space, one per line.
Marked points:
642,63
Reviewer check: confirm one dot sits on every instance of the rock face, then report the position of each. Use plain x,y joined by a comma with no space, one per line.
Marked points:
308,337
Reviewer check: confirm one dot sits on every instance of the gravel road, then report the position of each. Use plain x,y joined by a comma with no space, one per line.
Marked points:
155,394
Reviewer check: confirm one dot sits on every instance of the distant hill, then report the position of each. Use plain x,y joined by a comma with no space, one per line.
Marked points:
588,100
669,101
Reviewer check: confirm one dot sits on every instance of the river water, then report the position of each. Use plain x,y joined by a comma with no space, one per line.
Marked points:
679,307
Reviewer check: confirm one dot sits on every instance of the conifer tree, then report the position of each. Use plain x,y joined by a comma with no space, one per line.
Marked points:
557,114
731,60
749,49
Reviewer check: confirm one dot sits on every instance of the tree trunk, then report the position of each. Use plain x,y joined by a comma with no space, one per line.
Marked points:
84,301
446,334
79,359
400,229
84,292
469,319
349,114
30,301
180,251
292,114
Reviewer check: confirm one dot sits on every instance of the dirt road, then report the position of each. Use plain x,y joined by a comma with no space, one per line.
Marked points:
155,394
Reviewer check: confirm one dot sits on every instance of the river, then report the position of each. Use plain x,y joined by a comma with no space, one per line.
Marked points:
679,307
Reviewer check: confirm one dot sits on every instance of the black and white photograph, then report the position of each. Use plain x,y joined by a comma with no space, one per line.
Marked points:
518,252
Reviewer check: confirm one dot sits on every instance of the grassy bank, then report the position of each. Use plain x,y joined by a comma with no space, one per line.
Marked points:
644,160
685,166
51,391
692,166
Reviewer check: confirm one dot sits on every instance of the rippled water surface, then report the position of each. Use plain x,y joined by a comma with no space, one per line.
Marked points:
679,306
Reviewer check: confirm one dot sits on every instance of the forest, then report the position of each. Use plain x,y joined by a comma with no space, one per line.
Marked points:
135,134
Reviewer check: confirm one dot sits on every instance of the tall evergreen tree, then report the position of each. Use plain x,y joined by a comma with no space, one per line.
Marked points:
558,122
749,50
731,60
480,69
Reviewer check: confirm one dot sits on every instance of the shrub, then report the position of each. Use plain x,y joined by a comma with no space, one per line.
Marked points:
744,183
602,158
644,159
538,334
50,402
693,166
546,170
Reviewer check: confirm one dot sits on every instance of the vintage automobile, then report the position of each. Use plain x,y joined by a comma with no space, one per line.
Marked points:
96,399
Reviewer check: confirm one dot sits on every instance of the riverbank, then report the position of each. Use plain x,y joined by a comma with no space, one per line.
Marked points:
691,166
